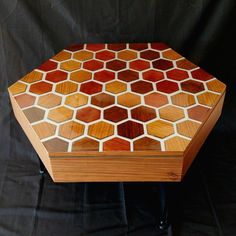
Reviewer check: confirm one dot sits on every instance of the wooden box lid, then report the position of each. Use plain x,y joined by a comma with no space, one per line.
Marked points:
117,112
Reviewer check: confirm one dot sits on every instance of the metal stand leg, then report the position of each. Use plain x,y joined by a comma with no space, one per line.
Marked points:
41,167
164,224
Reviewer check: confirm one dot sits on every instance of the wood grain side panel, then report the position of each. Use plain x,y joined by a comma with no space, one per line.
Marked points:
30,133
116,169
201,135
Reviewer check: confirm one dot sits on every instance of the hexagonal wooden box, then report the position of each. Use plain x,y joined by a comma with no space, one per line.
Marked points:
117,112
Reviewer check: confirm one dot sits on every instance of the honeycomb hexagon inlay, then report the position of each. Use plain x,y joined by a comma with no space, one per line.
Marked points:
119,103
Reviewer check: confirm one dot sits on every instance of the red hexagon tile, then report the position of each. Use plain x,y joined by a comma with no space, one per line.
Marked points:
91,87
116,97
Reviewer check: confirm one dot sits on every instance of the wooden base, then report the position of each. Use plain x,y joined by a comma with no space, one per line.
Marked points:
163,167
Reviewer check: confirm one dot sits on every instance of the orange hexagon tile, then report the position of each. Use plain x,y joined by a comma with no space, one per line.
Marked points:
70,65
32,77
208,99
127,55
116,97
147,144
49,100
101,130
85,144
160,129
71,130
62,56
60,114
44,129
156,99
216,86
129,99
171,113
66,87
76,100
183,99
40,87
116,87
188,128
176,144
83,55
17,88
81,76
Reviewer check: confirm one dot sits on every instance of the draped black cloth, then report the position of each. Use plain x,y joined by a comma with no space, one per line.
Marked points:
204,204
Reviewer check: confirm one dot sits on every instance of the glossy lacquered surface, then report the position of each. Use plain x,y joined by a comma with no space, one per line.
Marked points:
116,99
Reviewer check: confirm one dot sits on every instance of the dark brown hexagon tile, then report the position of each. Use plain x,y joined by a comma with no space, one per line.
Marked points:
95,47
141,87
117,144
116,65
143,113
167,86
138,46
128,75
115,114
145,144
149,55
116,46
159,46
91,87
192,86
130,129
88,114
34,114
153,75
162,64
102,100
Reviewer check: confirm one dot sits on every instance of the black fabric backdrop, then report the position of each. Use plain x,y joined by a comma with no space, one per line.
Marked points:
204,204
